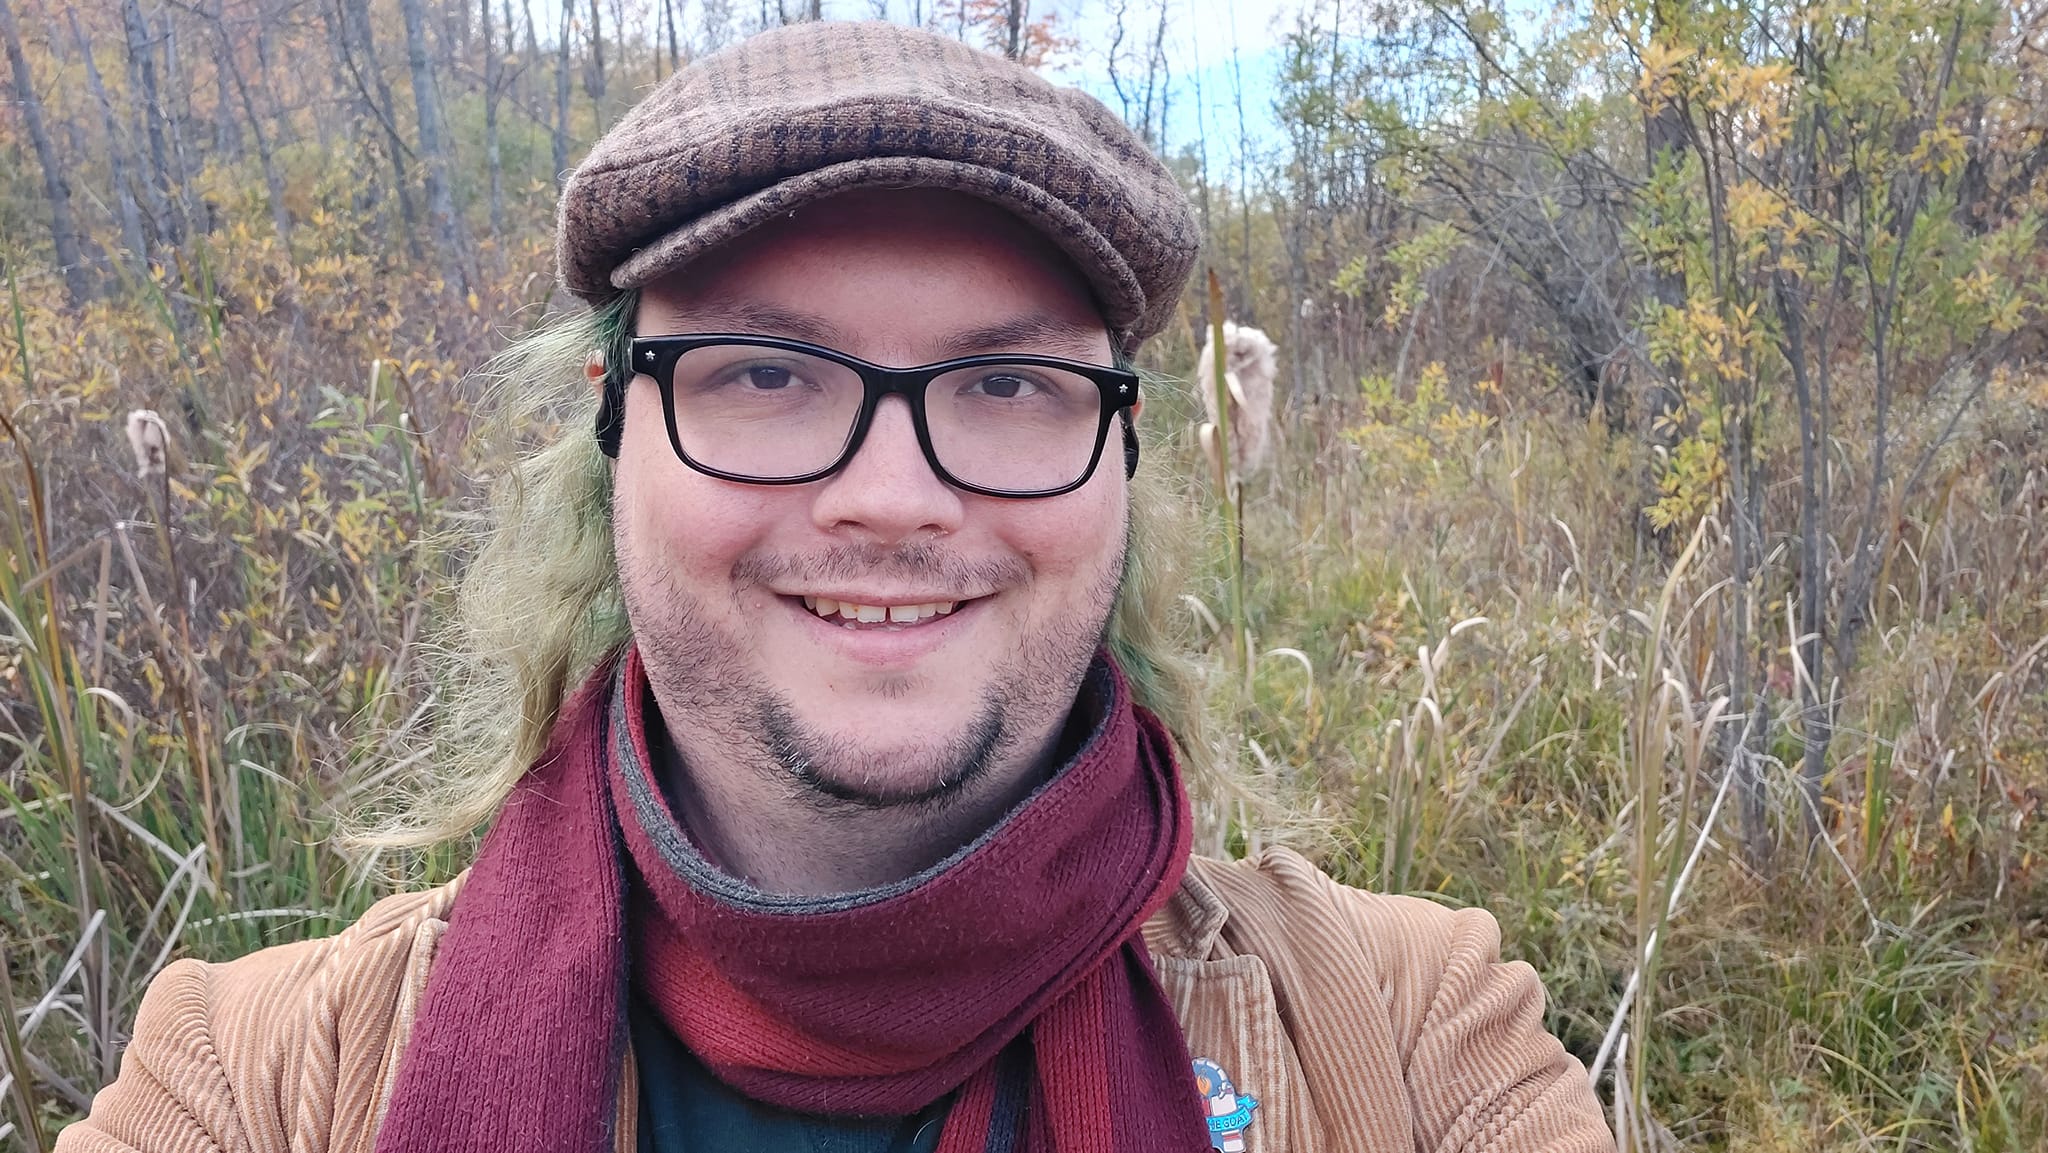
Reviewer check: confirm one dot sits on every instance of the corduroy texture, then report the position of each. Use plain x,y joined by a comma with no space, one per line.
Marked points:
881,1004
1361,1022
875,1003
796,114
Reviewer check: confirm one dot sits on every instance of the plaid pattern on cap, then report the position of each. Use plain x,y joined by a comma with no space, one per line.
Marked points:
800,113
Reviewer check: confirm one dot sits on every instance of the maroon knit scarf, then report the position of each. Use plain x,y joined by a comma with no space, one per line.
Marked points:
1022,951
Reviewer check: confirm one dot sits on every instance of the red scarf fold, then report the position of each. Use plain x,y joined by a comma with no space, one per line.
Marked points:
880,1002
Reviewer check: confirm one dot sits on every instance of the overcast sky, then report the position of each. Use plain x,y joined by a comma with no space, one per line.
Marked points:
1201,38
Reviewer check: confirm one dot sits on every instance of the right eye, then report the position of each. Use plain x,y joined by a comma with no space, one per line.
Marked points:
767,377
754,377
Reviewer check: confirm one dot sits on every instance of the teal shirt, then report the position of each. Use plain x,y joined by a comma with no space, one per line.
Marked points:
684,1109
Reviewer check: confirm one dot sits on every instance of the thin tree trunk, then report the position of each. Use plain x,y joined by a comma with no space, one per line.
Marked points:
675,55
1874,535
1664,148
562,99
1810,385
454,35
74,142
283,131
180,111
129,212
159,190
227,135
528,103
1013,28
78,281
593,69
273,181
493,75
623,42
532,67
1814,721
366,192
356,26
433,153
1166,85
1737,654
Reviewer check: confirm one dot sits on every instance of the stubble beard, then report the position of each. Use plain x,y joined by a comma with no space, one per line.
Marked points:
699,672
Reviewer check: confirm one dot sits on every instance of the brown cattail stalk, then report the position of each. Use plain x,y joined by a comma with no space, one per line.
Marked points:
150,440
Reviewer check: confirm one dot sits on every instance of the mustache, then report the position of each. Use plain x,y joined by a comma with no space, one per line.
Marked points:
916,562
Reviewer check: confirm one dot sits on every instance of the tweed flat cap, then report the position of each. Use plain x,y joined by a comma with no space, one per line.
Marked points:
802,112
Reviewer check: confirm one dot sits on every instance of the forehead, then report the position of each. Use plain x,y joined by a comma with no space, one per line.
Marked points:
888,272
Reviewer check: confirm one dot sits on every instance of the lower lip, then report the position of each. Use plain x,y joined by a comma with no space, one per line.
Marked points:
887,646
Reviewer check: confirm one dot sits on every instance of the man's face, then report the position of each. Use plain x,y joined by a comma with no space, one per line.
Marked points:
724,580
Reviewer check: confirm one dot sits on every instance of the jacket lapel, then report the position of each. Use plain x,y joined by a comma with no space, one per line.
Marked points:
1229,1014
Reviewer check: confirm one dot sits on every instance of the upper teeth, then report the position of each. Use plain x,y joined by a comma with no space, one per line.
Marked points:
850,611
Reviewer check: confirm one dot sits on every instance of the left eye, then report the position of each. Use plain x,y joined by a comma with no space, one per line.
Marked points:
1006,386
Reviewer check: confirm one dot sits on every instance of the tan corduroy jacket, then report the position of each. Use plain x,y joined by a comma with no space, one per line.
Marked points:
1362,1023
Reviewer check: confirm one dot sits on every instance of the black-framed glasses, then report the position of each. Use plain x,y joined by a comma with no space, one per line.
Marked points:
764,410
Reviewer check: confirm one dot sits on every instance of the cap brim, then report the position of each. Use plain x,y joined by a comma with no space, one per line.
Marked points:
1116,285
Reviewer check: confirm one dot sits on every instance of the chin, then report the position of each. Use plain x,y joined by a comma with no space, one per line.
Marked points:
867,761
887,712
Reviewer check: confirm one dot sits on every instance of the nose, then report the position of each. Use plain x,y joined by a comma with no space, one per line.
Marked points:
888,493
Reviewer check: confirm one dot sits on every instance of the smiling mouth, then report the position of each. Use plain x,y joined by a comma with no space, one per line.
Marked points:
853,615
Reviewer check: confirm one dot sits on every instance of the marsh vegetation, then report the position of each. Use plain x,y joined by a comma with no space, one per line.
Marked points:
1651,549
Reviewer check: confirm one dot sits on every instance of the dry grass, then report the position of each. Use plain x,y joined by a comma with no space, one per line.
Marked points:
1515,705
1470,677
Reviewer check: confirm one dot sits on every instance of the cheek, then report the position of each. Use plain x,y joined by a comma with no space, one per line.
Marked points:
673,520
1071,540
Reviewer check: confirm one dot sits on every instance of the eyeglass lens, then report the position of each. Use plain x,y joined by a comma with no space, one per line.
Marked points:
775,414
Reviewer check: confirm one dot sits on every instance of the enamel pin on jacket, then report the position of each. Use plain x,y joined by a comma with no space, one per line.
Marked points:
1229,1113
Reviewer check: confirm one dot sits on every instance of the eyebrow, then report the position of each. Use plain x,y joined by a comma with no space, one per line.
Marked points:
753,316
1032,332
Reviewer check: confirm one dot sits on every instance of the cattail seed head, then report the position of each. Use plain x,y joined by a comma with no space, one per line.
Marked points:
151,442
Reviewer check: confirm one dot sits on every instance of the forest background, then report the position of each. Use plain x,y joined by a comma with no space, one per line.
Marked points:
1653,554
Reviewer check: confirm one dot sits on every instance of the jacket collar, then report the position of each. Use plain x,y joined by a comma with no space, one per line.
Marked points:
1192,921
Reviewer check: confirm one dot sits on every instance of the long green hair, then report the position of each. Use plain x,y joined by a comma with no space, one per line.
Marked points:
538,605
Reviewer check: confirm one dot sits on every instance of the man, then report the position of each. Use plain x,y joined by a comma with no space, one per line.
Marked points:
863,831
